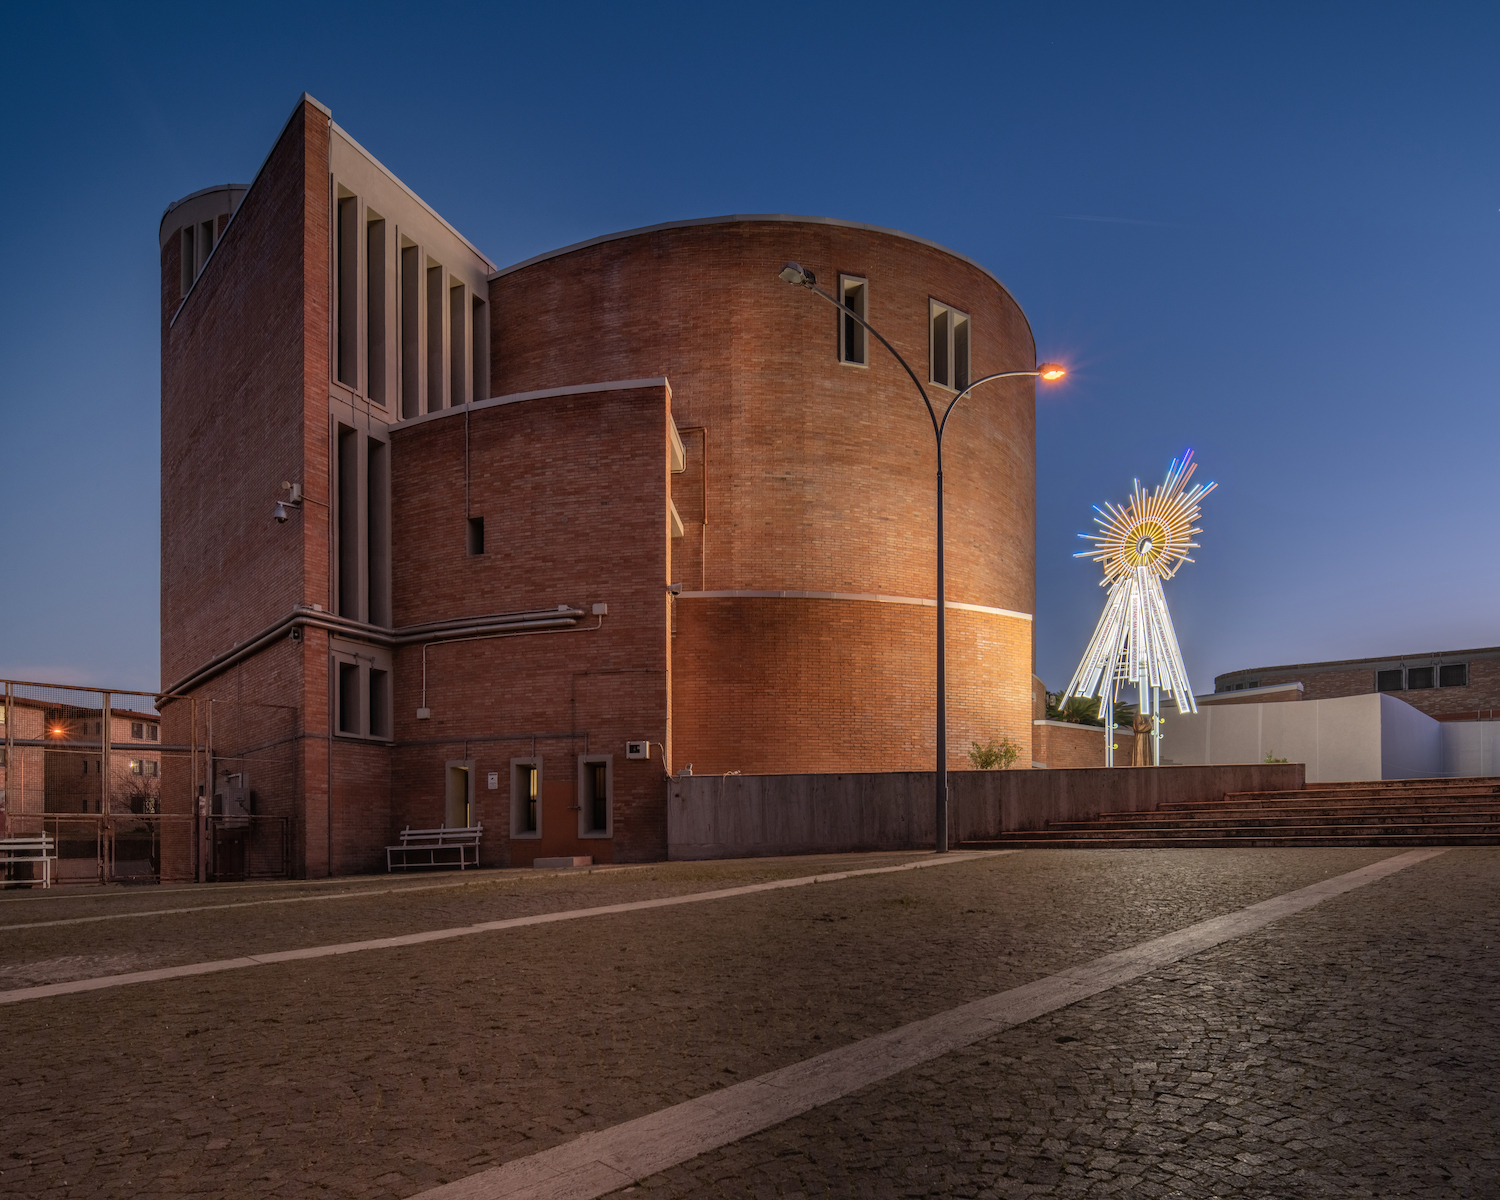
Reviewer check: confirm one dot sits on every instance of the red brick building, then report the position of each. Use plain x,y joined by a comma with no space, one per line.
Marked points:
1453,685
633,493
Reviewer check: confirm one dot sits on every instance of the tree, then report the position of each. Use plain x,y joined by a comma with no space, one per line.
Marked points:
1079,710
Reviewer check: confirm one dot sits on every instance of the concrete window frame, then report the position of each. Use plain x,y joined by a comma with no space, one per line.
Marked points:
589,774
1453,675
363,659
854,339
949,340
525,779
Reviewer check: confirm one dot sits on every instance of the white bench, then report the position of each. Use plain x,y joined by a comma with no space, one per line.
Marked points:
436,848
40,848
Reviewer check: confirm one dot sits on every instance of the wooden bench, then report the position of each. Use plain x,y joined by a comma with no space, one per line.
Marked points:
40,848
441,848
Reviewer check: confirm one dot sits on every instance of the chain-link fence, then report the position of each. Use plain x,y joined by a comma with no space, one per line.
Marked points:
133,792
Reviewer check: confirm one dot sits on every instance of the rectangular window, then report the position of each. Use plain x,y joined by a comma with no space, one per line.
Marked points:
137,730
348,522
458,355
595,792
375,310
377,533
153,733
1418,677
137,767
205,245
526,797
153,769
949,346
380,703
481,350
853,339
1453,675
189,265
347,291
476,535
349,698
411,332
1389,681
435,364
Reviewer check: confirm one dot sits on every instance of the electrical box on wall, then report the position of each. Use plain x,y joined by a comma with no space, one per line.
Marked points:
494,781
637,749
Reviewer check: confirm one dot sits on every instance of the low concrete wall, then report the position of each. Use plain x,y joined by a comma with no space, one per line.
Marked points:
736,816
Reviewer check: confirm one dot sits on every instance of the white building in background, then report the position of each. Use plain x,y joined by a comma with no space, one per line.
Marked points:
1354,737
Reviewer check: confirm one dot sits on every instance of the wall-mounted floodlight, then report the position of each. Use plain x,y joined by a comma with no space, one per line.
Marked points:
293,500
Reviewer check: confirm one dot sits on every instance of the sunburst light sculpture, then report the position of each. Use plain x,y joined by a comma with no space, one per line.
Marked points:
1140,545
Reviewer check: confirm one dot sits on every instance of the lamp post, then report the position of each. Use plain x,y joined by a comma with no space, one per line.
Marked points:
793,273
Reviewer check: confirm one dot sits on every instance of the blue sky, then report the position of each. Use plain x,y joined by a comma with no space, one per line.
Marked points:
1269,232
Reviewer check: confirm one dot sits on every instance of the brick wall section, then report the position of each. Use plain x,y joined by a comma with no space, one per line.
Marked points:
1256,697
822,474
820,477
573,492
799,685
1482,693
244,406
1077,746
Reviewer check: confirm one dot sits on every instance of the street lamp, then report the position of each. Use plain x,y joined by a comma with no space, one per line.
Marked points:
795,274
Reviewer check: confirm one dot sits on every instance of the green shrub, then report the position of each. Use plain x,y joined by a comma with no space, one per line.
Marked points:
994,755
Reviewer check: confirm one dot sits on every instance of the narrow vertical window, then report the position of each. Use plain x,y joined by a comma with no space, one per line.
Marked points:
941,349
594,796
375,310
525,797
348,523
347,291
949,346
853,344
349,698
435,364
377,533
380,703
205,244
189,273
458,355
960,352
480,346
411,333
475,539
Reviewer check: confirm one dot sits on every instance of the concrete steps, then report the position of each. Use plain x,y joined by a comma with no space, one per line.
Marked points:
1394,812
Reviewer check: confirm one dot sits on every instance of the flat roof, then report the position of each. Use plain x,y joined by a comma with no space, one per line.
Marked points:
1391,659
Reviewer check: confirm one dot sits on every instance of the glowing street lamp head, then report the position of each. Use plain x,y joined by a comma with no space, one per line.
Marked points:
794,273
1051,371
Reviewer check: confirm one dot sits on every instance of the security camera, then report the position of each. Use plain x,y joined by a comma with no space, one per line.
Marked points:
279,512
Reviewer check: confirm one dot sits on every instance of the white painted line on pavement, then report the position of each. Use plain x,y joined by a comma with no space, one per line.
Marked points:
598,1163
43,991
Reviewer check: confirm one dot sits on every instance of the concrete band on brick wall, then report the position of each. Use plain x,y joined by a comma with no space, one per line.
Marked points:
862,596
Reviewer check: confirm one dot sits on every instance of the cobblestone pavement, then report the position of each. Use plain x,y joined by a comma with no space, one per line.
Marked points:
387,1072
148,927
1351,1051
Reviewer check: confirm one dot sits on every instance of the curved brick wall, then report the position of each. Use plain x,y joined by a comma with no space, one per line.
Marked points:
820,478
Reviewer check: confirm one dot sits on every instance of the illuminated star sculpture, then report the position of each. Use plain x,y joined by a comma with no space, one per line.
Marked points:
1140,545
